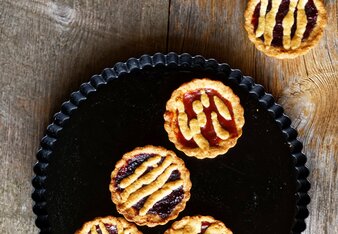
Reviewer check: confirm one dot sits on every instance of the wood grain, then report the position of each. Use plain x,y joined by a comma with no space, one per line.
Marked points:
48,48
306,87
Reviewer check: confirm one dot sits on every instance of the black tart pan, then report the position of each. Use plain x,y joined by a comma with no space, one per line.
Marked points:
258,186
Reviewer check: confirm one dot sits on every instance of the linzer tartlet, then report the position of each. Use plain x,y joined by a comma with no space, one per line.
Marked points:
204,118
198,225
108,225
150,185
285,28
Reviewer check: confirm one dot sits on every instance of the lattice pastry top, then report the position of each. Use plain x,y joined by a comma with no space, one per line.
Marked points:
285,28
204,118
108,225
150,185
198,225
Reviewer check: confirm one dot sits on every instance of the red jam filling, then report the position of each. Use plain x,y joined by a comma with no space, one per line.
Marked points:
311,15
130,167
140,203
278,29
136,161
164,207
175,175
110,228
204,226
255,17
207,131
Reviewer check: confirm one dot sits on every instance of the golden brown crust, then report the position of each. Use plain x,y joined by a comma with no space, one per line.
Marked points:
172,117
281,52
122,226
193,225
128,228
153,184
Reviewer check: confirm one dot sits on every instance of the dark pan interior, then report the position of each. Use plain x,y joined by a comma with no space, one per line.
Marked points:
251,188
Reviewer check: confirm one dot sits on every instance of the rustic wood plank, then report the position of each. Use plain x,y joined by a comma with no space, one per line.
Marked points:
47,49
306,86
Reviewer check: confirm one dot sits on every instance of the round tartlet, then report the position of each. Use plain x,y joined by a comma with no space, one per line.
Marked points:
204,118
285,28
198,224
108,225
150,185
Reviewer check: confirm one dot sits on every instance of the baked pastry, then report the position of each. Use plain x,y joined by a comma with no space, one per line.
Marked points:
150,185
204,118
198,224
285,28
108,225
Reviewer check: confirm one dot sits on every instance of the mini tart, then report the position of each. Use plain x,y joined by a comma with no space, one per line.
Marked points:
285,28
108,225
204,118
198,225
150,186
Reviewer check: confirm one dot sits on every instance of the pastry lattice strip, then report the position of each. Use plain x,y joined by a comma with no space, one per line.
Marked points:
153,184
267,22
192,129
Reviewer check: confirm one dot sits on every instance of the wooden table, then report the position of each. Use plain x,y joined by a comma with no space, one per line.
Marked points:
48,48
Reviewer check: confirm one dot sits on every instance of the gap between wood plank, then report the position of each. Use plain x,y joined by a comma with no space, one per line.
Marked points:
168,27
